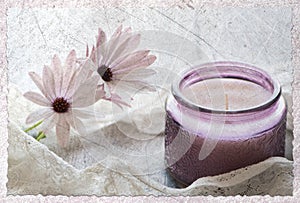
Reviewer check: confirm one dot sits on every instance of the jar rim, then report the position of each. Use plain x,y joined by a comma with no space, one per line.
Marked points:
216,67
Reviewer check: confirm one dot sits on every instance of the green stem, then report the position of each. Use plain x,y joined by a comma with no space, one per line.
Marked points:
34,126
40,136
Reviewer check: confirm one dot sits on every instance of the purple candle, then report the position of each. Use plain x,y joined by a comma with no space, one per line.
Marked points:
220,117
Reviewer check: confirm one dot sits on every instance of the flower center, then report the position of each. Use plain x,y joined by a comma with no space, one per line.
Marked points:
60,105
105,73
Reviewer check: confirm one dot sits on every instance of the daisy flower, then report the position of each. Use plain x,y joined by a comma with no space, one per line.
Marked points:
121,67
65,91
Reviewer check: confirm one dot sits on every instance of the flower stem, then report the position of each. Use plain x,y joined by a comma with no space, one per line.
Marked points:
40,136
34,126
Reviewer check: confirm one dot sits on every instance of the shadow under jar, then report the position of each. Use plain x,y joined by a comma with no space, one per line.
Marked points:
220,117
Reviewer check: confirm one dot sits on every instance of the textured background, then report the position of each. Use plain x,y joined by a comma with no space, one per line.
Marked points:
179,5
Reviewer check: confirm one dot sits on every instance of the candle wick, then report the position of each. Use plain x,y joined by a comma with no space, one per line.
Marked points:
226,101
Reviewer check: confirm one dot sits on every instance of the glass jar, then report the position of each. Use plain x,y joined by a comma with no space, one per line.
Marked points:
220,117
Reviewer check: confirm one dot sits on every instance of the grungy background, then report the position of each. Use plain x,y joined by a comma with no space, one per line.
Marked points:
229,35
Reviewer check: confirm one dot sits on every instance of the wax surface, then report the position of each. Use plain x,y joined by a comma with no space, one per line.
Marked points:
226,93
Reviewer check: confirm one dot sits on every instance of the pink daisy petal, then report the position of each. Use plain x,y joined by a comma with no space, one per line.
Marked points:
133,43
85,94
127,30
39,83
101,38
62,131
145,62
88,64
117,32
100,62
127,46
69,116
129,60
135,74
85,70
80,75
48,81
57,73
100,53
68,88
114,44
110,46
71,60
69,72
37,98
93,55
87,52
56,63
39,115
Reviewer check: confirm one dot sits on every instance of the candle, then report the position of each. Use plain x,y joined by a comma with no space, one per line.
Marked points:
242,94
220,117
